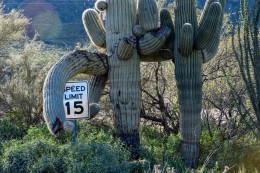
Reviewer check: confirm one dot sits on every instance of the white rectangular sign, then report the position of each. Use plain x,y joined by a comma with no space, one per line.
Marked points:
76,104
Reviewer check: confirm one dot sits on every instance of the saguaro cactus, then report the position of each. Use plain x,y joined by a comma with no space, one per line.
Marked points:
194,43
123,37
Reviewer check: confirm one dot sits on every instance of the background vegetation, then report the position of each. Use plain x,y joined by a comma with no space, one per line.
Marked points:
230,135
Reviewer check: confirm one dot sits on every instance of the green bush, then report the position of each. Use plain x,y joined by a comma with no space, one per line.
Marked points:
161,149
9,130
41,132
49,163
97,158
98,151
19,157
39,156
209,146
94,133
40,152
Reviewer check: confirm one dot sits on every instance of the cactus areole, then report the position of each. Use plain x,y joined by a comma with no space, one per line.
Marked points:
127,40
194,44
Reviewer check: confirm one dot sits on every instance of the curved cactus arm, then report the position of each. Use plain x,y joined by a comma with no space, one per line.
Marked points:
148,14
212,47
94,27
186,39
164,51
152,41
209,26
70,65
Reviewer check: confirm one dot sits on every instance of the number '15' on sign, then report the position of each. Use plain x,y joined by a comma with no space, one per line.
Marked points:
76,102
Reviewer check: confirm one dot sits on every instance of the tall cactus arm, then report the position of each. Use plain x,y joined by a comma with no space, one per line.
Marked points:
186,40
152,41
211,49
70,65
208,26
94,27
148,14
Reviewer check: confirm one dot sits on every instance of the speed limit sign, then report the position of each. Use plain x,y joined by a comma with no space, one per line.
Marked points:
76,104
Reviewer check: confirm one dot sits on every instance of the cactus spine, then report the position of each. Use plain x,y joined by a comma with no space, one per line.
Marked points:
194,44
123,39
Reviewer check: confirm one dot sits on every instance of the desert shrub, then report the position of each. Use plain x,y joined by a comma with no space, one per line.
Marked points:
159,103
90,132
27,64
48,163
218,154
40,152
210,143
10,131
41,132
160,149
242,151
97,158
20,157
12,27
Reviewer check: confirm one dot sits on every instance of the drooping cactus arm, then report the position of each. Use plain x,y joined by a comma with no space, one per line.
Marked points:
186,41
152,41
97,85
94,27
150,38
70,65
208,26
212,46
166,52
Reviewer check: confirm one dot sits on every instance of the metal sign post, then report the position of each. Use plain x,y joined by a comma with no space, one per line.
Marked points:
75,133
76,104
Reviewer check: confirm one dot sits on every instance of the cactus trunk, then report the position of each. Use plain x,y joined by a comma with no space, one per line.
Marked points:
124,75
123,39
189,82
194,44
